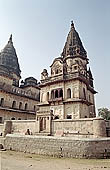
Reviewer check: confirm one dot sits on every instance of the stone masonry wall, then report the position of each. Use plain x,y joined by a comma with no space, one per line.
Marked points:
21,126
58,146
77,127
7,114
80,128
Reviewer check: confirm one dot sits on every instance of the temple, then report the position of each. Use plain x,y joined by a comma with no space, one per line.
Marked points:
68,93
18,101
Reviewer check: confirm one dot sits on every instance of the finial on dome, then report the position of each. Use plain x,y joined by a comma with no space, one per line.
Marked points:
72,24
10,39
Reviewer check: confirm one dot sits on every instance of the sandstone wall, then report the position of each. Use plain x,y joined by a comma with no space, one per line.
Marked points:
8,114
21,126
77,127
9,98
59,146
108,127
88,128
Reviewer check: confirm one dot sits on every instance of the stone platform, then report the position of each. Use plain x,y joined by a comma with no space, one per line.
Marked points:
59,146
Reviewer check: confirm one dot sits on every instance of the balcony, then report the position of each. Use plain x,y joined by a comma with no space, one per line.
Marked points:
55,99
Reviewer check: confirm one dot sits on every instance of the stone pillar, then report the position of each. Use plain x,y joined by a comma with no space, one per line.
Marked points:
49,123
37,124
7,127
99,127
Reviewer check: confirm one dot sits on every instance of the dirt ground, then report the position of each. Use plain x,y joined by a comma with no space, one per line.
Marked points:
21,161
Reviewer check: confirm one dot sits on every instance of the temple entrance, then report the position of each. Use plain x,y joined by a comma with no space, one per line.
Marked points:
42,124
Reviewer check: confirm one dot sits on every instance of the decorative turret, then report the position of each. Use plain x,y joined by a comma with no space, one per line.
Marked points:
8,58
44,74
73,46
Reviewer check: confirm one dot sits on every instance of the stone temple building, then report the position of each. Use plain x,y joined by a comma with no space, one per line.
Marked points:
68,93
16,101
66,114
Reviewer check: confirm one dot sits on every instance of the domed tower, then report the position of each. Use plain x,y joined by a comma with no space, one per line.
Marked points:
69,91
9,65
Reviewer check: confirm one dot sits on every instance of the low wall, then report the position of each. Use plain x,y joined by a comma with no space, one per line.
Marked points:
77,127
108,127
20,126
58,146
88,127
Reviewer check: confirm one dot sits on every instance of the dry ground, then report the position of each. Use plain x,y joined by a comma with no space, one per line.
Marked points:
21,161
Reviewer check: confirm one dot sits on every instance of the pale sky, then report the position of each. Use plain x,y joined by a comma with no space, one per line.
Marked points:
40,28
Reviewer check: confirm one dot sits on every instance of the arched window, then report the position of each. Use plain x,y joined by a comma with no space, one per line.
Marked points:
89,98
56,94
56,71
34,108
14,104
26,105
56,117
69,117
68,93
20,105
52,94
1,119
61,93
13,118
2,102
84,93
47,96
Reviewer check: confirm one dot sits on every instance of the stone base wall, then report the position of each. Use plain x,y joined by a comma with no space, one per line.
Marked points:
59,146
21,126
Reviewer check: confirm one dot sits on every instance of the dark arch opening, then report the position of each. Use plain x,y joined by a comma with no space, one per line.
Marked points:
68,93
56,94
47,96
14,104
34,108
61,93
20,105
26,105
2,102
69,117
56,71
13,118
84,92
56,117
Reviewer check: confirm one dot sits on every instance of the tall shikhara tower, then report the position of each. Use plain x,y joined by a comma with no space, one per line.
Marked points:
68,93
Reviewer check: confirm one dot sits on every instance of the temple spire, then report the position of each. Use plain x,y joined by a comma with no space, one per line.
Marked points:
10,39
73,46
72,24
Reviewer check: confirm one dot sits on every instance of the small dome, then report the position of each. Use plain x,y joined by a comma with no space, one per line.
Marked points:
30,81
44,70
8,58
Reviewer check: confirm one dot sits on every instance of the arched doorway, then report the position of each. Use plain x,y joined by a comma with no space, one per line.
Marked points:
42,124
